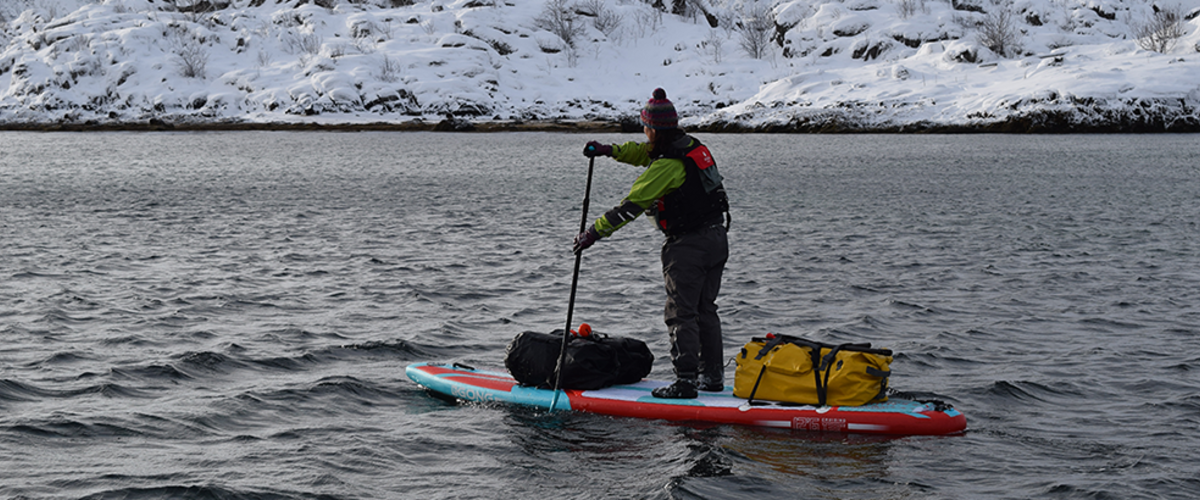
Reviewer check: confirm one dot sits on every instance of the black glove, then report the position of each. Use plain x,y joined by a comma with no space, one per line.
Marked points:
585,239
594,149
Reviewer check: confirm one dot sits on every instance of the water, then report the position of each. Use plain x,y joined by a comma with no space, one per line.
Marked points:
228,315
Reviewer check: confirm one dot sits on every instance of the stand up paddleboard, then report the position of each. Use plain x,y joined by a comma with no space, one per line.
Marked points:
895,416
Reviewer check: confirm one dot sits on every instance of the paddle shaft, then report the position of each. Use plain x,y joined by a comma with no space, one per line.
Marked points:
562,351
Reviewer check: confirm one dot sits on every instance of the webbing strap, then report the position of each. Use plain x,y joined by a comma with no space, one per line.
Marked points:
767,346
750,400
824,366
777,339
883,381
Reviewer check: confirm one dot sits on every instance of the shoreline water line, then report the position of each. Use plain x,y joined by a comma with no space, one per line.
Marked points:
1036,124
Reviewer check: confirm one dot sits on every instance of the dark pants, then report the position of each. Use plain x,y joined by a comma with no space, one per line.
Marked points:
692,267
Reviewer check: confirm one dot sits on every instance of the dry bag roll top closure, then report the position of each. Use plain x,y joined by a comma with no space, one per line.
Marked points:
796,370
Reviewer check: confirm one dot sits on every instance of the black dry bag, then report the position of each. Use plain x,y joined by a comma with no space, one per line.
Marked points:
591,362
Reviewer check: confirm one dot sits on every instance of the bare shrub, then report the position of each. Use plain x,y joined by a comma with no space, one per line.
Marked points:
303,43
647,21
1161,31
559,18
77,43
908,8
337,51
603,18
365,45
190,54
389,71
754,30
998,30
191,6
608,22
309,43
713,44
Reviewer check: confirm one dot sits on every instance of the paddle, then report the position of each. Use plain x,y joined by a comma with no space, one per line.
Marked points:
562,352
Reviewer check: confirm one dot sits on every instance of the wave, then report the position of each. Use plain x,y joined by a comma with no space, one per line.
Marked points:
919,360
150,372
334,394
202,492
61,358
74,429
14,391
913,307
108,390
61,317
1105,324
1026,391
373,350
207,363
284,363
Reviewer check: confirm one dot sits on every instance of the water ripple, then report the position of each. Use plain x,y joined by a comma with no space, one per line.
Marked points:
229,315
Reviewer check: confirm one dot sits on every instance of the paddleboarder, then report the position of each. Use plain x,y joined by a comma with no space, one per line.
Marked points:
682,190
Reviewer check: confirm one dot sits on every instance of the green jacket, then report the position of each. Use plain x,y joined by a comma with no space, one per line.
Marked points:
662,176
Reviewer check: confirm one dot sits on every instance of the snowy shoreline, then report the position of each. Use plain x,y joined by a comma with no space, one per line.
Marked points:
1038,123
822,66
448,125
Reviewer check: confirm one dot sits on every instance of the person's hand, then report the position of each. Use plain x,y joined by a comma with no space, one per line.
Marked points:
594,149
585,239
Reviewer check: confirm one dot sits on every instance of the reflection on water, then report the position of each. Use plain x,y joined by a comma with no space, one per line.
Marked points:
826,456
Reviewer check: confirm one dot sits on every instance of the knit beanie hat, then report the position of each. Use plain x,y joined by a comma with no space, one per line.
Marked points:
659,113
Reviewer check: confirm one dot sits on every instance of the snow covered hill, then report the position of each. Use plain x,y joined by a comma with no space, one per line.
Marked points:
769,65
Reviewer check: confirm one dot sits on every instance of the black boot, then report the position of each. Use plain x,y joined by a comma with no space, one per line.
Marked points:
710,383
681,389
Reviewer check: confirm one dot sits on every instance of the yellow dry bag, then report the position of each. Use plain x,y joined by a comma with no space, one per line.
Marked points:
795,370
